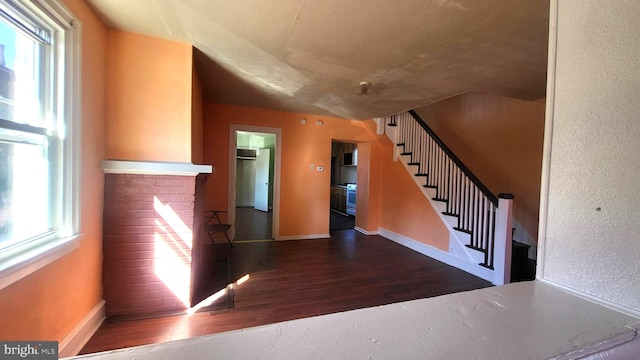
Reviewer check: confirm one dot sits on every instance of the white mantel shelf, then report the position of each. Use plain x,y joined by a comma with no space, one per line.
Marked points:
154,168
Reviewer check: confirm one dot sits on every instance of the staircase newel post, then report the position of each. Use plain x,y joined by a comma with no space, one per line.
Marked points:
502,242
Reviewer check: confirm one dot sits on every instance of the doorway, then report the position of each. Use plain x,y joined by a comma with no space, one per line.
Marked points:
344,162
253,182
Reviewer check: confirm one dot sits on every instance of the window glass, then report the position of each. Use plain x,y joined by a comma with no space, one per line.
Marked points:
26,135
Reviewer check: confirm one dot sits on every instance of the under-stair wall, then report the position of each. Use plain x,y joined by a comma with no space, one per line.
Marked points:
479,222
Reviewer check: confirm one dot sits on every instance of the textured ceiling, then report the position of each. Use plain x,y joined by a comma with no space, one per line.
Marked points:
310,55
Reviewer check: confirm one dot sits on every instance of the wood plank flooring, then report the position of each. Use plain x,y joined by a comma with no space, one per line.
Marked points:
252,224
294,279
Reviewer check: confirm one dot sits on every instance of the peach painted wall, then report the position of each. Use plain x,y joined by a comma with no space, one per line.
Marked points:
304,201
49,303
404,208
196,118
148,98
500,140
369,185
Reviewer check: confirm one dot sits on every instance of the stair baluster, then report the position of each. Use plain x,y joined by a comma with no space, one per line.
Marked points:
477,210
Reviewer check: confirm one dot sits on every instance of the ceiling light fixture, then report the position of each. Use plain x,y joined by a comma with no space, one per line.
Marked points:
364,88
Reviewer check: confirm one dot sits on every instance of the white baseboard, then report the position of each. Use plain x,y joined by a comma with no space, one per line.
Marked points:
595,299
363,231
438,254
304,237
78,337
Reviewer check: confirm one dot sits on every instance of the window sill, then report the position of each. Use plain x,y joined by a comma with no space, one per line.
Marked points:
20,263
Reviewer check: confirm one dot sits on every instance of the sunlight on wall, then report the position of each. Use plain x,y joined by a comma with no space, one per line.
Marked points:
174,220
172,244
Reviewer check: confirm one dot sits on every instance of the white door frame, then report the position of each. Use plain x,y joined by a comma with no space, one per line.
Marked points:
232,176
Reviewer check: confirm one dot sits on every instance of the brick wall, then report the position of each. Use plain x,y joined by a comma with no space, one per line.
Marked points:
148,241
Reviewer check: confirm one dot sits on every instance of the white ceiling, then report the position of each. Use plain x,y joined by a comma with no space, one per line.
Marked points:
310,55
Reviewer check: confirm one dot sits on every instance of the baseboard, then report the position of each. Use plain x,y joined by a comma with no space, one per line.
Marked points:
600,301
363,231
304,237
78,337
438,254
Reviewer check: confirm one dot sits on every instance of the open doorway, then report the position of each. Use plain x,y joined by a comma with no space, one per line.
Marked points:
254,179
344,162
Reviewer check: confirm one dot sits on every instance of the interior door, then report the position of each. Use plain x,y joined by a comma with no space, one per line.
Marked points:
261,194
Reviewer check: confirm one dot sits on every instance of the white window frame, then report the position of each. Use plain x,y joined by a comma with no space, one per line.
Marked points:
17,262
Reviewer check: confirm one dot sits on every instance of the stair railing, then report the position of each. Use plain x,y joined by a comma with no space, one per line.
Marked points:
481,214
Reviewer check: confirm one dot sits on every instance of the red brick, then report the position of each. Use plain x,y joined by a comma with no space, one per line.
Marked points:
175,181
141,181
119,239
148,221
129,263
114,256
132,247
182,206
129,230
167,199
142,279
145,254
122,221
132,205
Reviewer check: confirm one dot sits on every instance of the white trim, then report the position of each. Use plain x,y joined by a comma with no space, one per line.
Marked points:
595,299
438,254
84,330
548,134
366,232
439,207
29,259
154,168
231,186
304,237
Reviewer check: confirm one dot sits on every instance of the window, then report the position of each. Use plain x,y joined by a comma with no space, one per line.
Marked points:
38,134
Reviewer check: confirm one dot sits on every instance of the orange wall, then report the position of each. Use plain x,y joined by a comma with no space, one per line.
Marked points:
304,201
196,118
404,208
148,98
49,303
500,140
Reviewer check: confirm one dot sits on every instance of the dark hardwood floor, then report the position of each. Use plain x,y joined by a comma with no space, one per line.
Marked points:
252,224
339,221
295,279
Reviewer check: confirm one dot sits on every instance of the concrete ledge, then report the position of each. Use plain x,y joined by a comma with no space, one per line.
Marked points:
529,320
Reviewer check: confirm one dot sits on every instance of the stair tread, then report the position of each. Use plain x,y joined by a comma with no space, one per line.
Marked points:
464,231
516,243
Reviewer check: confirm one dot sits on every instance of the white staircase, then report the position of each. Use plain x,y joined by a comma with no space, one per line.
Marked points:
478,221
